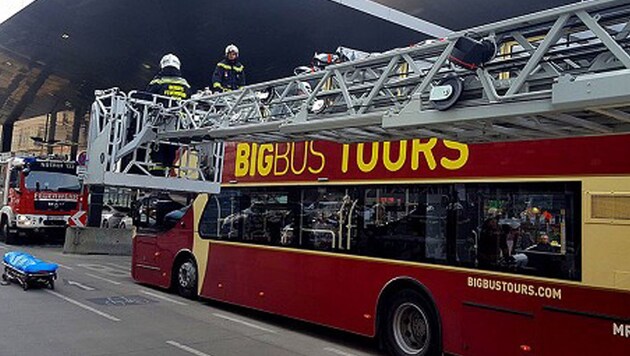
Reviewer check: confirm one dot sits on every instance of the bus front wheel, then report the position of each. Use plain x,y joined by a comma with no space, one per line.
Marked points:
187,278
410,326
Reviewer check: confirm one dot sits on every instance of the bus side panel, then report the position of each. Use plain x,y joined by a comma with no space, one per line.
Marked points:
566,334
331,291
177,239
491,332
481,313
144,264
153,255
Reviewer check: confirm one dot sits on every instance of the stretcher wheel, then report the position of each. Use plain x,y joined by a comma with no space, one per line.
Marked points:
25,285
5,277
51,284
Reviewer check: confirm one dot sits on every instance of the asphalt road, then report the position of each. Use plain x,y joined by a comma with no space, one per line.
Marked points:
97,309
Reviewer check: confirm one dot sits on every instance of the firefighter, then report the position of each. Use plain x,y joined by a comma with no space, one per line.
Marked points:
169,81
229,74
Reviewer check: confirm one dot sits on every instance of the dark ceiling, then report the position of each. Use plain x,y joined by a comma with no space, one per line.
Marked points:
120,42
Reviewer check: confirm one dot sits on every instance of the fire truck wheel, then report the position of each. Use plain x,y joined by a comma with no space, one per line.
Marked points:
9,237
410,326
187,279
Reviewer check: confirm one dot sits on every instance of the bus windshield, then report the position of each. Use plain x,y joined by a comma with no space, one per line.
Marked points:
52,181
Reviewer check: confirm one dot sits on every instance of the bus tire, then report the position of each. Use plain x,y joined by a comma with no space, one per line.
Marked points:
186,278
410,326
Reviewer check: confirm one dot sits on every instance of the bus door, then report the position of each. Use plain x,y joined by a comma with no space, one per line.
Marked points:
145,258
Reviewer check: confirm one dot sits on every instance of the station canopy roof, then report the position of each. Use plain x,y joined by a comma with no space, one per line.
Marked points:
55,53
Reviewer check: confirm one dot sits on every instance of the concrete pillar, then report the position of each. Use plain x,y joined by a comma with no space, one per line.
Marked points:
95,209
51,130
7,136
79,118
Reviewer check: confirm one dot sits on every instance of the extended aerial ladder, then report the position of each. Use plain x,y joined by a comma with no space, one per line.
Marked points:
557,73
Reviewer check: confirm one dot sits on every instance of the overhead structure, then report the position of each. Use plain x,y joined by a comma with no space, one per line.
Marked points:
557,73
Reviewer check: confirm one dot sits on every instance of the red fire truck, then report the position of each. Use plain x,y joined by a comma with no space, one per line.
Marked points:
37,195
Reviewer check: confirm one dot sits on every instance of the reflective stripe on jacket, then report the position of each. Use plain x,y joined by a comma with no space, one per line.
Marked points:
228,76
169,83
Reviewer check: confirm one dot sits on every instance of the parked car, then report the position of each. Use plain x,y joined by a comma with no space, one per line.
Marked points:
113,217
126,222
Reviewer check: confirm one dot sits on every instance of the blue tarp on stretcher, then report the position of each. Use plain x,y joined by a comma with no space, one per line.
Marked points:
26,263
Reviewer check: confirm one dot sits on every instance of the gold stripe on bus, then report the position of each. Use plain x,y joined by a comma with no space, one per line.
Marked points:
201,247
407,181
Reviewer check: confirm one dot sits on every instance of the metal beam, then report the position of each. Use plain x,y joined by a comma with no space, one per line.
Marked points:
396,17
18,110
11,88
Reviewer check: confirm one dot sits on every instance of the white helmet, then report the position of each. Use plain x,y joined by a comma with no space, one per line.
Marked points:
170,60
231,48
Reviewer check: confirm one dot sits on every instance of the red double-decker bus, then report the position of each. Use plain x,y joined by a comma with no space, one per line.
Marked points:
432,246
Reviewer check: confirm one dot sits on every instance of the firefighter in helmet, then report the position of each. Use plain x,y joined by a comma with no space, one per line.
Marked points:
169,81
229,74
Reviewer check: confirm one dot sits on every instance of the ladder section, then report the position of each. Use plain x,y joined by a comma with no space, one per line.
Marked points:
560,72
557,73
124,150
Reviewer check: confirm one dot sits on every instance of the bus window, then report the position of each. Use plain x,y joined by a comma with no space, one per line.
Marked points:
463,217
267,217
218,220
14,179
529,229
255,217
328,219
510,227
404,223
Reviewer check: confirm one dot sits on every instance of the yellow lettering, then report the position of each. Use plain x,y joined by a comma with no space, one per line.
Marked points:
458,163
367,167
418,147
265,161
321,156
402,156
344,158
278,157
252,162
293,153
241,161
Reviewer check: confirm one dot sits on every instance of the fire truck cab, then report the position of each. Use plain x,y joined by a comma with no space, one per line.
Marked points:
37,195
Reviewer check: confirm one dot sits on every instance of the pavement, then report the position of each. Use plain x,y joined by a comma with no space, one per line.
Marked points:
97,309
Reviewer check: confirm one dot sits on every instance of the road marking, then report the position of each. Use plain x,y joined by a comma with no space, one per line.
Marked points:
64,266
338,352
3,247
81,305
186,348
103,279
162,297
122,268
102,269
77,284
244,323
